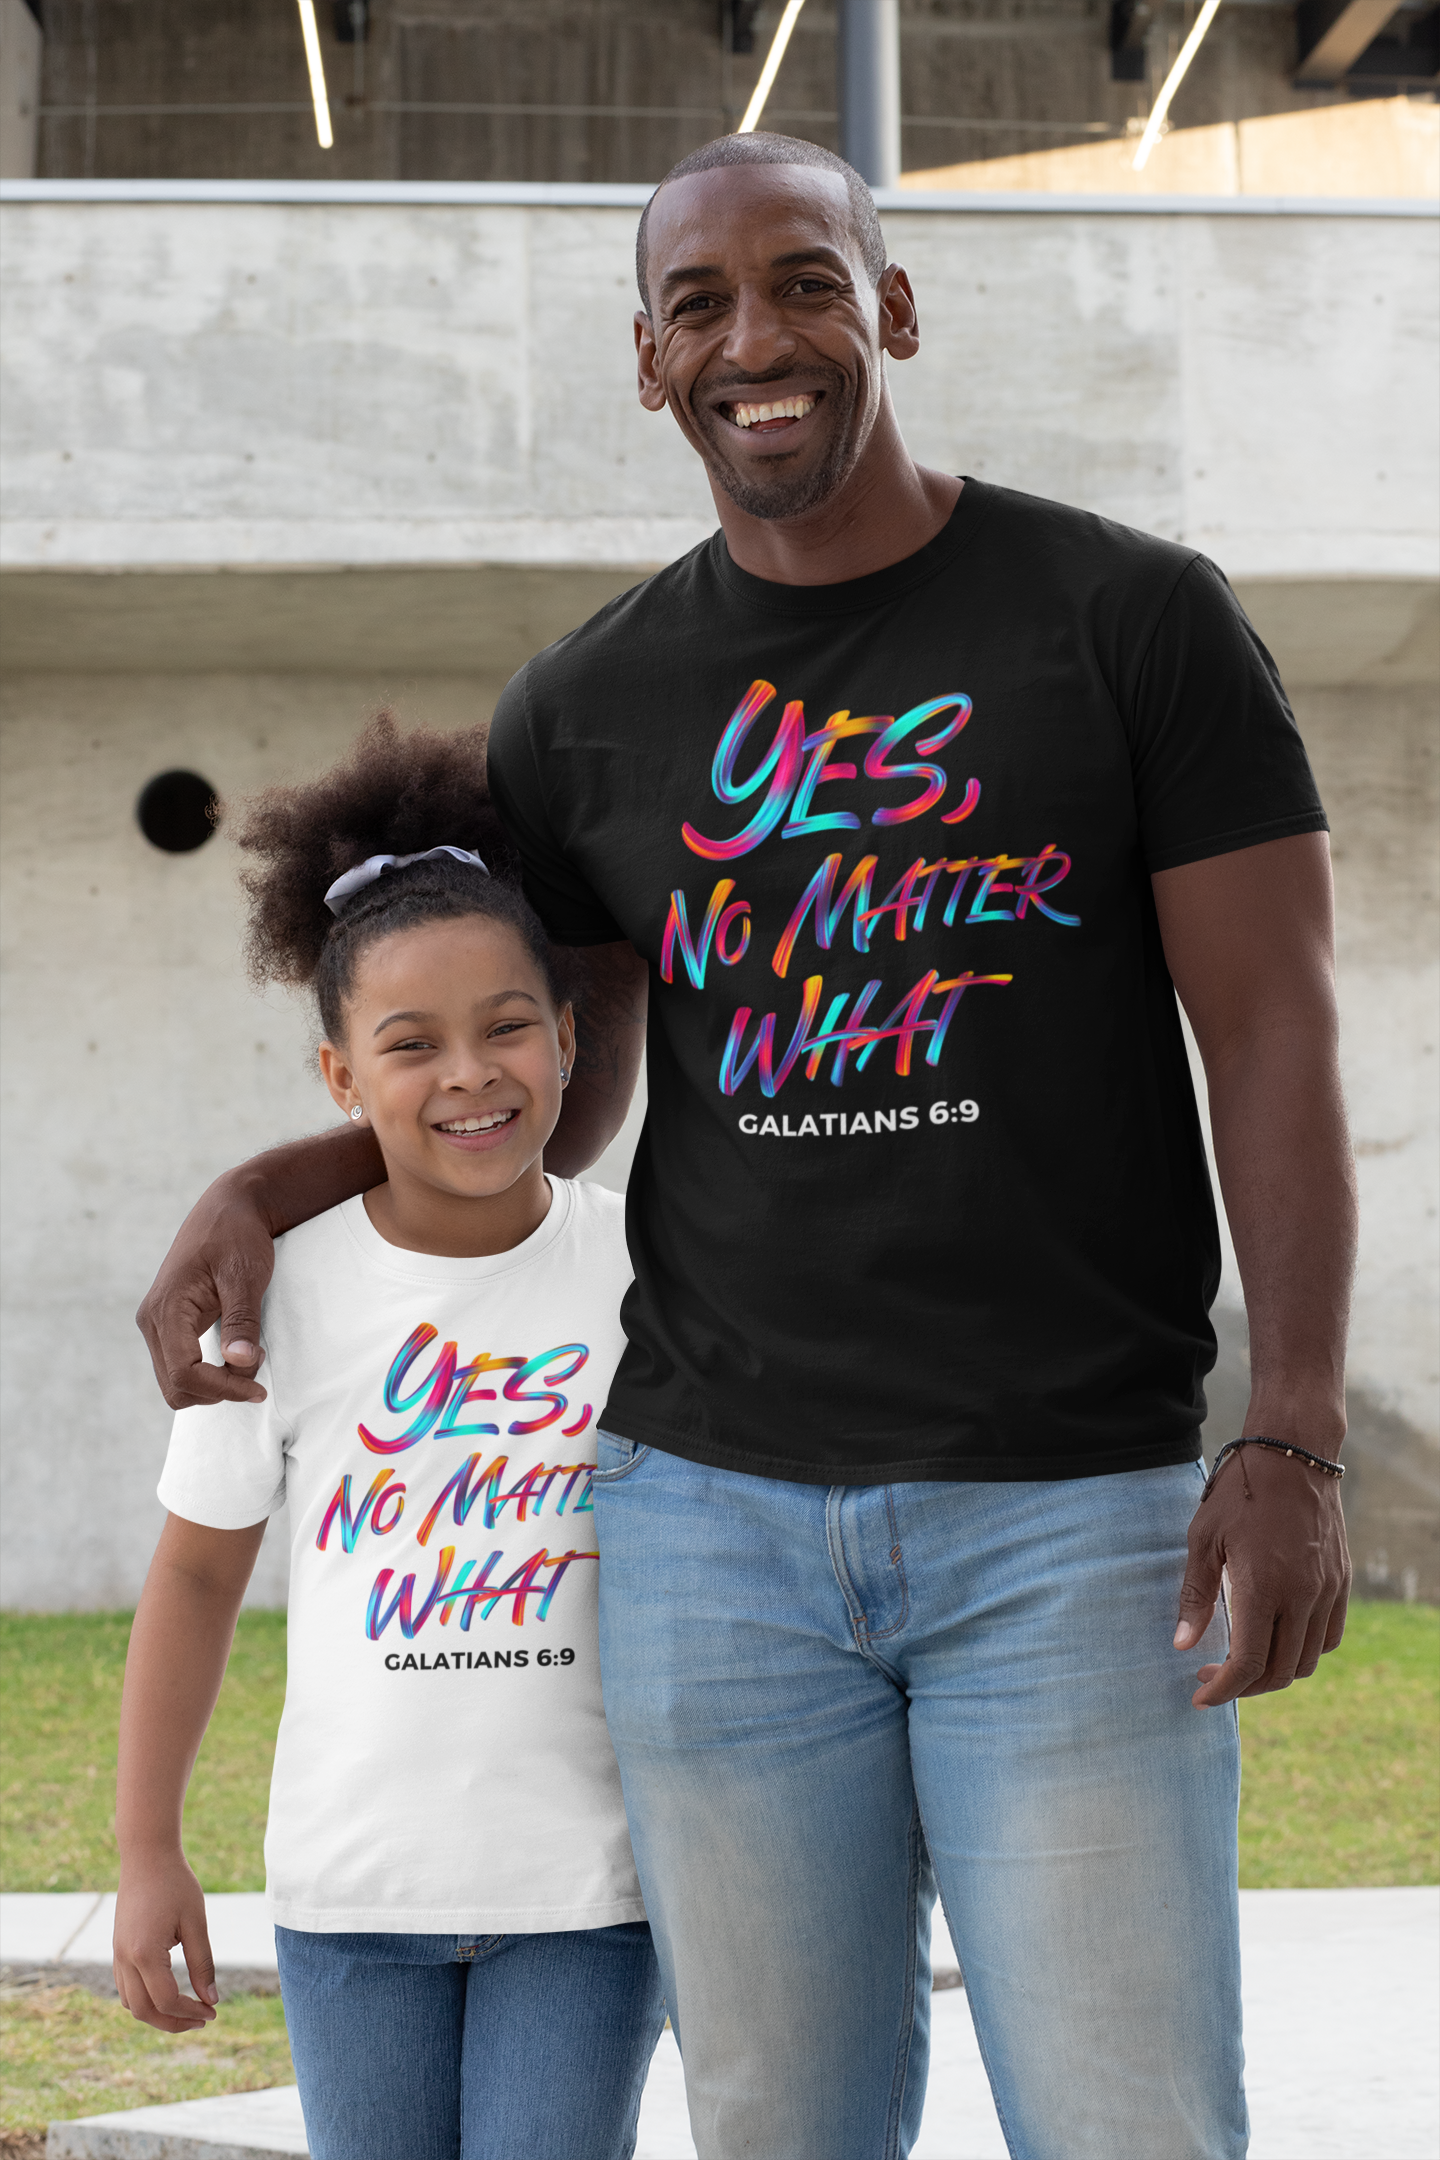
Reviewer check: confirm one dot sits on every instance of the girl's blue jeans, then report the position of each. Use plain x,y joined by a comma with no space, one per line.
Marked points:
824,1701
465,2047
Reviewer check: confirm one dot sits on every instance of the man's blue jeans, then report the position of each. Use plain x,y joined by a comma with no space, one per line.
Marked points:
817,1695
464,2047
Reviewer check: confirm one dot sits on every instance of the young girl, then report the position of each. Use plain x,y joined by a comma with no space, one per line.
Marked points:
462,1946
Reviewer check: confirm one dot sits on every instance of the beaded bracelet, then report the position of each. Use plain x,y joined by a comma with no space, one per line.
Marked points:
1280,1447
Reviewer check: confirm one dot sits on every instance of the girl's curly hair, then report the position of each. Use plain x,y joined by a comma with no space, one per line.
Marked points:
394,795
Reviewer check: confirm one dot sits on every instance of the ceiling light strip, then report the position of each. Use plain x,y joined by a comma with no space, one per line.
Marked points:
1173,81
772,67
319,96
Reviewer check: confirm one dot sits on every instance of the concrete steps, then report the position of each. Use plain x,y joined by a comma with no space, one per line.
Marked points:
241,2126
65,1936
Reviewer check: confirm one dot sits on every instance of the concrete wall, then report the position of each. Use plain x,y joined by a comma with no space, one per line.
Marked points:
1375,755
139,1063
193,383
249,544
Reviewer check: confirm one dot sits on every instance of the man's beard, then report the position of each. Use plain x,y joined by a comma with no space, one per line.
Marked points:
785,495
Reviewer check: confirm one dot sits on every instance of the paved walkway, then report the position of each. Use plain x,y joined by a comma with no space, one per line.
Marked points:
1342,2009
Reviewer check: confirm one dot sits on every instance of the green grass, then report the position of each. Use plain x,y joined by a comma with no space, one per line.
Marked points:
1341,1788
60,1676
68,2053
1341,1785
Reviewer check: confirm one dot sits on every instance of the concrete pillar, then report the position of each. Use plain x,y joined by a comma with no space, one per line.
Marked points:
867,71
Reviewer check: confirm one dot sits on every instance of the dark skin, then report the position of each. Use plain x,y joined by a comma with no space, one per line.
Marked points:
757,290
759,295
1249,941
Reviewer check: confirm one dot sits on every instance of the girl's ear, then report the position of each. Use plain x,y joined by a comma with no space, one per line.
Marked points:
338,1077
565,1030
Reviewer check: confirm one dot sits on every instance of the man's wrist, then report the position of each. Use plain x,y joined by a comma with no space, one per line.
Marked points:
302,1178
247,1187
1316,1423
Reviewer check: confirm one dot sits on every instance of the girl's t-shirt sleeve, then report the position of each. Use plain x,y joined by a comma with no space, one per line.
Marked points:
225,1466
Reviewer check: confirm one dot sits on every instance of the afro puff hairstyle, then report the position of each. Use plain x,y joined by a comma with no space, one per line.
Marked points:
394,794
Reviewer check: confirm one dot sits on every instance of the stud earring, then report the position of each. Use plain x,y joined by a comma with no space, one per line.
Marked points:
564,1076
358,1111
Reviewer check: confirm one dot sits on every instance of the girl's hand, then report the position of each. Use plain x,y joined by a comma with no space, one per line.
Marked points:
161,1904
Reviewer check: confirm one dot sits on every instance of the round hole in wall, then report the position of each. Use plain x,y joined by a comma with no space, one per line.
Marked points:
176,811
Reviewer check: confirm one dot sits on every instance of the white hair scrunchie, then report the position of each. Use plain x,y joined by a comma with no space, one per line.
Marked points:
365,873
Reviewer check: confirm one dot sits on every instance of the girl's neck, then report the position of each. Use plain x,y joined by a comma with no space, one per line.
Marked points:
448,1226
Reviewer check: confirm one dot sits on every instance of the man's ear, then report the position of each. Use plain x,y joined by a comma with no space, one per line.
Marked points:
652,390
899,317
336,1074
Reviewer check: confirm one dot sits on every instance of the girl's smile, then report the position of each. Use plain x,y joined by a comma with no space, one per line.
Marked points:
473,1134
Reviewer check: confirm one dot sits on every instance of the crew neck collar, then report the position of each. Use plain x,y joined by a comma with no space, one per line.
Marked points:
856,596
444,1267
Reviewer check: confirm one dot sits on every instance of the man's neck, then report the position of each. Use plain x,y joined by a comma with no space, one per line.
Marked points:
887,508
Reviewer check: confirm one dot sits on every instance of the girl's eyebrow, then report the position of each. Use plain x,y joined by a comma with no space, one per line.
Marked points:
501,997
391,1018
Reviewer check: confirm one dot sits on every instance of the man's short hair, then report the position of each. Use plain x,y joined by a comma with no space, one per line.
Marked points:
762,149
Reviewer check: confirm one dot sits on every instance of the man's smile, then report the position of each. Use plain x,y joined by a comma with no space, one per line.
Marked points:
776,413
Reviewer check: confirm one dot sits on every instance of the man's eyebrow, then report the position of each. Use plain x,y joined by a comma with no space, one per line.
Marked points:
819,253
501,997
691,270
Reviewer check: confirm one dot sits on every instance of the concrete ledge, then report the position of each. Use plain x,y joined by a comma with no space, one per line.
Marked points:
196,381
230,1980
599,195
398,620
63,1940
164,543
239,2126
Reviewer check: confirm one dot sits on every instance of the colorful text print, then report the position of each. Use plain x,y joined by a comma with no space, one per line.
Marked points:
500,1489
778,788
440,1400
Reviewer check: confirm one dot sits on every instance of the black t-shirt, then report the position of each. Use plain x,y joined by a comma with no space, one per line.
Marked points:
921,1191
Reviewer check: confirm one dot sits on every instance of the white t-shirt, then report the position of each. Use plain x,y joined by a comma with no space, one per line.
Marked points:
443,1765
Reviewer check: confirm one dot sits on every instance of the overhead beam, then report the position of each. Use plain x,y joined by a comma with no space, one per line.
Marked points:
1404,63
1129,21
1334,33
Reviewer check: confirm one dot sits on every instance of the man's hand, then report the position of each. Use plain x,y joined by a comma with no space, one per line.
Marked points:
222,1259
217,1269
159,1905
1276,1525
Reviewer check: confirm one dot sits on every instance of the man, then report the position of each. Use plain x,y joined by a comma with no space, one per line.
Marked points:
915,802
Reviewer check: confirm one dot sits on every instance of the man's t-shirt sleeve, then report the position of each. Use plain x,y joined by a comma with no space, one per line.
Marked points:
555,888
1218,760
225,1466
